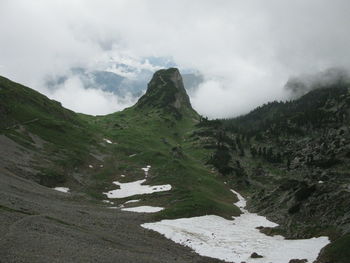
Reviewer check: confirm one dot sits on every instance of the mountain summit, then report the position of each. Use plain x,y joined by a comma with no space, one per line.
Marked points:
166,91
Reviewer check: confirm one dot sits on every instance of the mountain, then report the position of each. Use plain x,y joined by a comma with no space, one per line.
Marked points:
166,92
130,83
107,81
44,146
293,158
289,159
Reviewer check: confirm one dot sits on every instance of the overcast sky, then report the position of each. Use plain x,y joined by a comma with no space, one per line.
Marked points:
246,49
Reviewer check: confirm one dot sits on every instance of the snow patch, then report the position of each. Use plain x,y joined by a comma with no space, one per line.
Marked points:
135,188
132,155
235,240
108,202
132,201
144,209
123,175
146,169
62,189
241,203
107,141
90,166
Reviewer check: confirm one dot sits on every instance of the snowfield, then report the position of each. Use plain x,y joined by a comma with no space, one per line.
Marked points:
235,240
135,188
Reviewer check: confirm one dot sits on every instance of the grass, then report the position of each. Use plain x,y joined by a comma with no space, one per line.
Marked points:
66,135
151,135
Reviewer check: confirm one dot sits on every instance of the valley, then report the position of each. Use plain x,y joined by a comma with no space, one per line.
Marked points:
76,187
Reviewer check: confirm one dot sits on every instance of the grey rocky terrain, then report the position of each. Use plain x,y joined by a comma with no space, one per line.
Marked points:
39,224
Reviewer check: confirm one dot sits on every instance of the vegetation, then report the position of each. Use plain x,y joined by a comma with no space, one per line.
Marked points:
337,252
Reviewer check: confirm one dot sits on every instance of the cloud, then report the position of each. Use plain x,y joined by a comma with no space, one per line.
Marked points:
75,96
332,77
246,50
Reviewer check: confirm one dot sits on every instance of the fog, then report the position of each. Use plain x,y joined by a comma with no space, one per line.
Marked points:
246,50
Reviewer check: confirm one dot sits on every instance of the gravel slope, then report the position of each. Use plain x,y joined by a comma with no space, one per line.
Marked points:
39,224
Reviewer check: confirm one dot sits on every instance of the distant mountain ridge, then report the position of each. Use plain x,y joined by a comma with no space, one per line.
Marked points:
120,85
300,85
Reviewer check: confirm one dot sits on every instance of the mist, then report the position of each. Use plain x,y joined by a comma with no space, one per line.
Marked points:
332,77
245,50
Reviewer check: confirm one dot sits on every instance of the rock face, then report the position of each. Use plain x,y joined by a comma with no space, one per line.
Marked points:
255,255
298,261
166,91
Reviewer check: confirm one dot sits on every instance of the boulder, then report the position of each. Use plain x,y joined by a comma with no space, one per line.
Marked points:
298,261
255,255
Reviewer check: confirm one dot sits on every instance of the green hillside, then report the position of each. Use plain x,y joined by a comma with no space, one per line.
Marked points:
156,131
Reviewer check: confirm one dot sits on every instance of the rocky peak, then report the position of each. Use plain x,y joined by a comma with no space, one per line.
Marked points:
166,90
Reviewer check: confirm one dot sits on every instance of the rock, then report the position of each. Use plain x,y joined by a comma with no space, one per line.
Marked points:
255,255
166,91
298,261
304,192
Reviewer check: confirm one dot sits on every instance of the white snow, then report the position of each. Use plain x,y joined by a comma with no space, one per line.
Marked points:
241,203
123,175
90,166
146,169
132,201
144,209
235,240
135,188
62,189
107,141
132,155
107,202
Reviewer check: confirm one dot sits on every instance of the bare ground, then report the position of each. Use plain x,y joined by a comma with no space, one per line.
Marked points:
39,224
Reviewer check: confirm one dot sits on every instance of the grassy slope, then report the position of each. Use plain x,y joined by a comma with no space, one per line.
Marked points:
41,116
67,137
338,251
156,139
149,133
